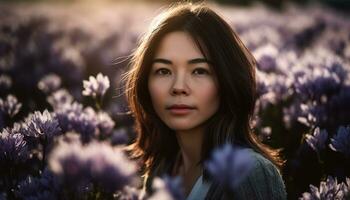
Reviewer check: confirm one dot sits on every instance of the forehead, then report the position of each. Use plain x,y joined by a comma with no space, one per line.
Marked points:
178,44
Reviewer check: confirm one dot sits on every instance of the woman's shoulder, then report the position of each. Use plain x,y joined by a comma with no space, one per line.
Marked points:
260,162
263,180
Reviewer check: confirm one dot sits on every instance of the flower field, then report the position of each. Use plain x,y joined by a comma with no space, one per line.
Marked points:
64,119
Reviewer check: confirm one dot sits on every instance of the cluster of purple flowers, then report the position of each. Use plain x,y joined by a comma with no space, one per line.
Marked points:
41,125
86,121
339,143
328,190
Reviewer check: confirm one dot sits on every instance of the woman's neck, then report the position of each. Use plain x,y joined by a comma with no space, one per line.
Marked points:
190,143
187,167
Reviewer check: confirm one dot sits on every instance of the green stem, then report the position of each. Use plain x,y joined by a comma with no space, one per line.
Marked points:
98,102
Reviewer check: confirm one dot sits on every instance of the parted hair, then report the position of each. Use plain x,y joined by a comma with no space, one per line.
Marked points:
234,66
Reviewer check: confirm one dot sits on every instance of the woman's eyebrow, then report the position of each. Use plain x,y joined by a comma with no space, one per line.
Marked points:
192,61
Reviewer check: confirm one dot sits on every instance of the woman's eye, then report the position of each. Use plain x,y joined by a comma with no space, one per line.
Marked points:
162,71
200,71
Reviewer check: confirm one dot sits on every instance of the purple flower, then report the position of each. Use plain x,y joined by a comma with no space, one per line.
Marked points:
85,123
41,125
266,56
60,98
328,190
98,163
230,165
10,106
96,86
65,114
267,63
317,140
168,188
341,141
319,85
13,147
49,83
72,117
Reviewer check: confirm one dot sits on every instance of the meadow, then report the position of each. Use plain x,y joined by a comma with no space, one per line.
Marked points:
64,119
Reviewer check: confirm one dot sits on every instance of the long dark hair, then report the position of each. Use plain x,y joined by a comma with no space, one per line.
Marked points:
234,66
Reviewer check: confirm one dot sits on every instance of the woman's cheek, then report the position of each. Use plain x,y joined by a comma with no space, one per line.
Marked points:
157,89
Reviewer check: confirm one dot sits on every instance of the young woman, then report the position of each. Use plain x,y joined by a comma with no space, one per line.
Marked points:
191,89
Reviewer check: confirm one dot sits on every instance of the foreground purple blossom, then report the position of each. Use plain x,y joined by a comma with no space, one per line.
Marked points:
230,165
10,105
167,188
95,165
317,140
341,141
43,125
328,190
96,86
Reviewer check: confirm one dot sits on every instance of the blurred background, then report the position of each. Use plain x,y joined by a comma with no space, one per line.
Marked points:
340,4
302,48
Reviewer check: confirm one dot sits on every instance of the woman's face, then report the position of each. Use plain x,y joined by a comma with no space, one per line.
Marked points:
182,86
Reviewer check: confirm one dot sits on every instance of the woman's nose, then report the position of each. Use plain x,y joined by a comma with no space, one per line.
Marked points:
179,86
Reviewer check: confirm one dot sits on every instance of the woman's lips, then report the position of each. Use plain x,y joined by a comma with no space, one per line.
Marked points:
180,111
